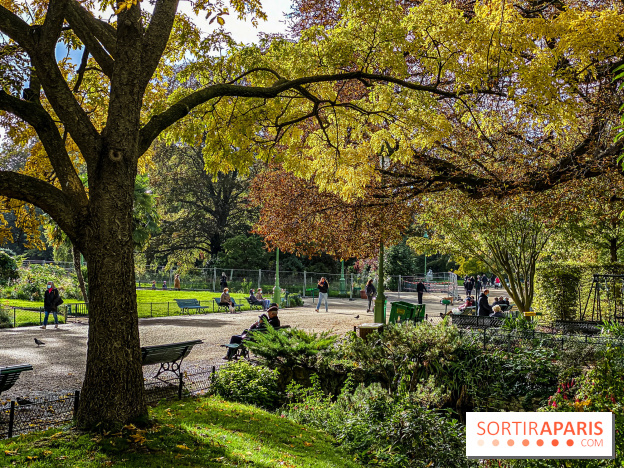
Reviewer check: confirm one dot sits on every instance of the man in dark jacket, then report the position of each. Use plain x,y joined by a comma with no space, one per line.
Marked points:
420,289
264,320
51,301
484,305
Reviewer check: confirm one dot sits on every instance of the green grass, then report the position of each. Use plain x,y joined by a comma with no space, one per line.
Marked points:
206,432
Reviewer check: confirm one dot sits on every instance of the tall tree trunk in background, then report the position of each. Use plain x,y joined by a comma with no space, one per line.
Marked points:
81,283
613,250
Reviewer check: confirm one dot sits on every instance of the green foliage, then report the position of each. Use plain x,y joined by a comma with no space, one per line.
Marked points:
290,347
8,268
379,428
518,323
32,283
399,259
563,288
243,382
243,252
470,266
613,329
5,319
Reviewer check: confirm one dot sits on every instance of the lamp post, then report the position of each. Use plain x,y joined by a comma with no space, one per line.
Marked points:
343,281
426,236
276,291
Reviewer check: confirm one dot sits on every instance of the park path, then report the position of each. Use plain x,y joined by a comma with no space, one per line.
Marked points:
59,365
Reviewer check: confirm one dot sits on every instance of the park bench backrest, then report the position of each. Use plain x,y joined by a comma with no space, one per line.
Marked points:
187,303
10,374
167,353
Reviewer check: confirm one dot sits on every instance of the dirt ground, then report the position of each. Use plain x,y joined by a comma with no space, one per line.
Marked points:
59,365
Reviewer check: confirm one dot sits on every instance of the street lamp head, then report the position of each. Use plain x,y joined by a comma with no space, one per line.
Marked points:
426,236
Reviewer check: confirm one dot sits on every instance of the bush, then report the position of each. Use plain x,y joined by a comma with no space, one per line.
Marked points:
8,268
245,383
381,429
32,283
290,347
5,319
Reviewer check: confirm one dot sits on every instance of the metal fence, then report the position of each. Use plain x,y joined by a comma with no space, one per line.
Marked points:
304,283
41,413
30,316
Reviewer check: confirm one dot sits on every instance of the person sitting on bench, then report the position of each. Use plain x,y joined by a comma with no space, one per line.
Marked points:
265,302
228,300
497,312
270,318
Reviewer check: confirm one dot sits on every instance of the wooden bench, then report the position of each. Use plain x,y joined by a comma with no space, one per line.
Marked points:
10,374
169,356
186,305
241,349
225,307
254,305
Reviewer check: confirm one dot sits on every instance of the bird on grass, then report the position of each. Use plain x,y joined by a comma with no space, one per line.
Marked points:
357,316
39,342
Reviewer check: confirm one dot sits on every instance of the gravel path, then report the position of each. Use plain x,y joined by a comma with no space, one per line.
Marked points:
59,365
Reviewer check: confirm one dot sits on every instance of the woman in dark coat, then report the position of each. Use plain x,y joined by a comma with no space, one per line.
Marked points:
51,301
371,292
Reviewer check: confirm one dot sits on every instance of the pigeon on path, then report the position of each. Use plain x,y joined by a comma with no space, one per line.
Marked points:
357,316
39,342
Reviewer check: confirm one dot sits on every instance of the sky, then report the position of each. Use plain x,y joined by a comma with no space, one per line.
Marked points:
242,31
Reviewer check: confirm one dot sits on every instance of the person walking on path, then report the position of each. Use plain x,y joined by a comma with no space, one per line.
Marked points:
371,292
323,287
176,282
154,285
477,286
484,306
223,281
420,289
51,301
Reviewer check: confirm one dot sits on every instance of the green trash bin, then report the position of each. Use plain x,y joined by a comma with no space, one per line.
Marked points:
419,313
402,312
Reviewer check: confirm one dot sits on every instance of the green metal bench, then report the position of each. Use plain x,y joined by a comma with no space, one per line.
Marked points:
225,307
169,356
241,349
254,305
186,305
10,374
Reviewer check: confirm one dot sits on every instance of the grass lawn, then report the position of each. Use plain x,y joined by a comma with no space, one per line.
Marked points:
204,432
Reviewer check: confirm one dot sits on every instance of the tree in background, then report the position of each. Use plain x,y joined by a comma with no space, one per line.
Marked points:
507,235
198,210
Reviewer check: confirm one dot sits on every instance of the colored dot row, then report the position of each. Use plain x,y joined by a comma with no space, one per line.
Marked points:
525,442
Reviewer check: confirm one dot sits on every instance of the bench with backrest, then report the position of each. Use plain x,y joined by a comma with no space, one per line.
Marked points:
476,321
241,349
169,356
186,305
255,304
225,307
10,374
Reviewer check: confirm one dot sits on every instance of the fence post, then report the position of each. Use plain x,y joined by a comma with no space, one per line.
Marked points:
167,309
214,279
484,338
11,419
151,309
14,318
76,402
180,386
399,288
351,289
304,283
259,278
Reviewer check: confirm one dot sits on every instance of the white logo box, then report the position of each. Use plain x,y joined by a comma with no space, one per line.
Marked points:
576,435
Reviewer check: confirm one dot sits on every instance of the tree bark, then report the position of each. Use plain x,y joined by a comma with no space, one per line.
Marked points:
613,250
114,373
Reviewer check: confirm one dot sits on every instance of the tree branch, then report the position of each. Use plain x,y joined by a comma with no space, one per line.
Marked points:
156,37
104,32
43,195
16,28
34,114
177,111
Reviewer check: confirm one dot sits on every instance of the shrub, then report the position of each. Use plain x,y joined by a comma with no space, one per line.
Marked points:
8,268
382,429
32,282
245,383
290,347
5,319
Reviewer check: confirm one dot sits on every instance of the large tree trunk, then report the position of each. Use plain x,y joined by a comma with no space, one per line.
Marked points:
613,250
114,374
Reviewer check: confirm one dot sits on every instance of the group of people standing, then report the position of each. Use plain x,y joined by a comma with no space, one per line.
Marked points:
476,284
